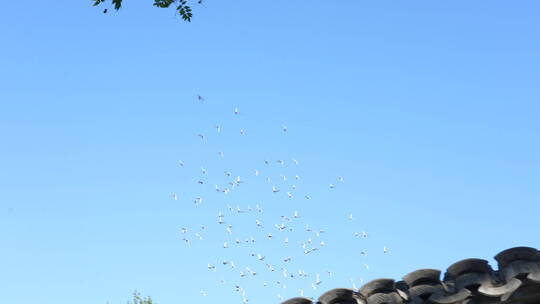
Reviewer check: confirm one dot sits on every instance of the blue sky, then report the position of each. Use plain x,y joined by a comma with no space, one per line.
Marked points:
429,110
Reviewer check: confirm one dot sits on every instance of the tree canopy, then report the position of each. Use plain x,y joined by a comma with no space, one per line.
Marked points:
137,299
181,6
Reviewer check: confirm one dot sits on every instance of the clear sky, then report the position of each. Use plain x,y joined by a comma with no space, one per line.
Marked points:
428,109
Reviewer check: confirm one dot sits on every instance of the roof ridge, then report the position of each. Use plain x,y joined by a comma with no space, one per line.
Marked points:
466,281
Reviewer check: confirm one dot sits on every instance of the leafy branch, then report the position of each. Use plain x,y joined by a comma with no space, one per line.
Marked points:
181,6
137,299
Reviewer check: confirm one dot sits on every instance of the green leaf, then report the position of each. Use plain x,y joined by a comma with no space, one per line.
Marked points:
98,2
163,3
117,4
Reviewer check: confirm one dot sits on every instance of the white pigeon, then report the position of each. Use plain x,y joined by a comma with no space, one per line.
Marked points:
353,285
280,227
251,271
238,210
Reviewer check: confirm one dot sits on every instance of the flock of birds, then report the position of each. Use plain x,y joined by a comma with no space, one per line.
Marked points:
255,247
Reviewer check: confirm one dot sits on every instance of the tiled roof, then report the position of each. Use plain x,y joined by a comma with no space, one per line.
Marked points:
470,281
